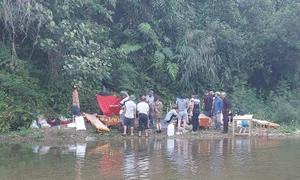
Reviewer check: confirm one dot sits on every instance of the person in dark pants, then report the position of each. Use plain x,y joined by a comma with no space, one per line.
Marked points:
195,108
226,110
208,103
143,116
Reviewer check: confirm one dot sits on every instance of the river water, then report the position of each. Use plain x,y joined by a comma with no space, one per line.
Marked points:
222,159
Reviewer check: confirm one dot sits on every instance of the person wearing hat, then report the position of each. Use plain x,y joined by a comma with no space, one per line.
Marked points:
129,115
76,104
217,110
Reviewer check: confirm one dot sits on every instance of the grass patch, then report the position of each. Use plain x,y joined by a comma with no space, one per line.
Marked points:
61,134
24,132
285,129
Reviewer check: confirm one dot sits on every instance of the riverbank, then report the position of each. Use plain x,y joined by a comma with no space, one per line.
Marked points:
63,134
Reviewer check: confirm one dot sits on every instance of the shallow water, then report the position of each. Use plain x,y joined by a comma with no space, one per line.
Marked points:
223,159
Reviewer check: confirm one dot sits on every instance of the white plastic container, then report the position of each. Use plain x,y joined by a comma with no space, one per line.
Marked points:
171,129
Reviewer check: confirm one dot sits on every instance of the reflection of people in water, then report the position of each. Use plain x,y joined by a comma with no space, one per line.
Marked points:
80,155
128,156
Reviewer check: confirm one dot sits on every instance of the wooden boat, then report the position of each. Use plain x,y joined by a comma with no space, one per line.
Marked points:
96,122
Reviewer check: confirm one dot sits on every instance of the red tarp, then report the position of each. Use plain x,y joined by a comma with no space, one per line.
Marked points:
105,101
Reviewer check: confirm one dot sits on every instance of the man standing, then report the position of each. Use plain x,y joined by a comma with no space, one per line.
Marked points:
103,91
143,116
121,104
150,100
157,113
226,110
217,110
195,109
129,115
208,100
76,105
182,105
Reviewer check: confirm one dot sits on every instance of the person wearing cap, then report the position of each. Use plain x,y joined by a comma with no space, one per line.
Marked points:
149,100
129,115
217,110
143,115
76,104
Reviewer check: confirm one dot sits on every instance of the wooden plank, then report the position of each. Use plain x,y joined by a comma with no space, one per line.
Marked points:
96,122
245,117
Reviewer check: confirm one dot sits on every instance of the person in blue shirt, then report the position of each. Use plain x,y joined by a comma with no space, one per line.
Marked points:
217,110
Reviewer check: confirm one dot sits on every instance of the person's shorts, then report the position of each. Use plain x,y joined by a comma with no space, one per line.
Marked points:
157,118
76,111
182,115
128,122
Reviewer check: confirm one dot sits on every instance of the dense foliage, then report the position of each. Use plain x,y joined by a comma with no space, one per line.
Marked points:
172,47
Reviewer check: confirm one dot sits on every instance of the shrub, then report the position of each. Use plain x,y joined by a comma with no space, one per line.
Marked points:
275,108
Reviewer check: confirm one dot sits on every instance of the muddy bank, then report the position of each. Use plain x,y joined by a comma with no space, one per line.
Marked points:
63,134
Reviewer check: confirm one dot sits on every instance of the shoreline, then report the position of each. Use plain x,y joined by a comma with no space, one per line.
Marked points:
62,134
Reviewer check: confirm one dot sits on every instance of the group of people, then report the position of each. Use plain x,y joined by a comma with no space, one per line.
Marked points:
148,110
218,107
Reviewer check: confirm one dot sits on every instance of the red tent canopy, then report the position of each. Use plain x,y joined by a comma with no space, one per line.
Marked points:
105,101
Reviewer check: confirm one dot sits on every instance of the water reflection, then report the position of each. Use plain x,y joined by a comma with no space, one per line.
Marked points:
152,159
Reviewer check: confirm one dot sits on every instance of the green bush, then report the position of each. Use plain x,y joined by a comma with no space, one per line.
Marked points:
276,108
19,97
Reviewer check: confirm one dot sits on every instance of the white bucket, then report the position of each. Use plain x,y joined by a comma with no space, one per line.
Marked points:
171,129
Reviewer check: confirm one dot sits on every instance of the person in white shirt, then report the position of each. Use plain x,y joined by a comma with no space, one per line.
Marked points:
172,113
129,115
143,116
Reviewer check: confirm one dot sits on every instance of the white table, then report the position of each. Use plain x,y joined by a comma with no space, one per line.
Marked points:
246,117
